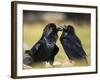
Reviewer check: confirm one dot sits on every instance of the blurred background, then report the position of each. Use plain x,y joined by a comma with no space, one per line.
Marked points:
35,21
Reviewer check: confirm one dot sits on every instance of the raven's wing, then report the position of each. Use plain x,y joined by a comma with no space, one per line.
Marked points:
35,49
30,53
76,41
73,47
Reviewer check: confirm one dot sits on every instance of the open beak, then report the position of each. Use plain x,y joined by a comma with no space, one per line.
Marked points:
59,28
64,27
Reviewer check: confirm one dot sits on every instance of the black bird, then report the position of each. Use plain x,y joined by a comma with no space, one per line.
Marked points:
72,44
45,49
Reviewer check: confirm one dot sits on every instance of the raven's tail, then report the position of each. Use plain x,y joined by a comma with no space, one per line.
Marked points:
27,51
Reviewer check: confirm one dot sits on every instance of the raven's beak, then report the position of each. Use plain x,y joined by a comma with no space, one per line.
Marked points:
64,27
59,28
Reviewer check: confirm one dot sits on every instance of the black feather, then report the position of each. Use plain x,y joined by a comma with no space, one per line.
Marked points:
45,49
72,44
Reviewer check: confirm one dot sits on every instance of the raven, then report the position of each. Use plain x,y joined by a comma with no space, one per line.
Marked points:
45,49
72,44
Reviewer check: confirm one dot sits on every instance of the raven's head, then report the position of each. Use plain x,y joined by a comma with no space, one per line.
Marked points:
68,29
51,27
50,32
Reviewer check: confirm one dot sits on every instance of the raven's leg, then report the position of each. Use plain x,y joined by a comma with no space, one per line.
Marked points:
51,61
55,51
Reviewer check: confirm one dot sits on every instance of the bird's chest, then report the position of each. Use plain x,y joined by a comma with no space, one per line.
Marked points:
48,47
52,38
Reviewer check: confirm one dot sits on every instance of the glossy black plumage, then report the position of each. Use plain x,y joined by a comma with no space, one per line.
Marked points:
72,44
45,49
